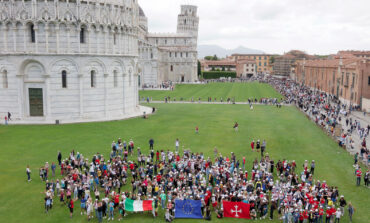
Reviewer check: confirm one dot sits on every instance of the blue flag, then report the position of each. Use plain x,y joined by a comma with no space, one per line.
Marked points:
188,209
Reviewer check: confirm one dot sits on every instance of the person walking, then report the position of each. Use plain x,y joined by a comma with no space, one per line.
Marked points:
9,116
6,120
252,145
358,176
28,171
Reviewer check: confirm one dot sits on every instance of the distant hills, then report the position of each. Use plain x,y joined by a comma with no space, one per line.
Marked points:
210,50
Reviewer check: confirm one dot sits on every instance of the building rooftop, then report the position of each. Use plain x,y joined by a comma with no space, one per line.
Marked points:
165,35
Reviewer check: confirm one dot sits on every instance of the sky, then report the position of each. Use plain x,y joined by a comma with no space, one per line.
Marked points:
273,26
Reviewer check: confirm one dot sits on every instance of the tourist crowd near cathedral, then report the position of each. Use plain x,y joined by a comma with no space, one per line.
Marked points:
86,59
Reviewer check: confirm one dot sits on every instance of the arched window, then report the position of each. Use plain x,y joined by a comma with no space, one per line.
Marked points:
82,35
5,79
64,79
32,33
114,38
171,67
93,79
185,21
115,81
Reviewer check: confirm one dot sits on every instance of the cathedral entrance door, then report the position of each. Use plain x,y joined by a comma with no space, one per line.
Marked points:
36,101
182,78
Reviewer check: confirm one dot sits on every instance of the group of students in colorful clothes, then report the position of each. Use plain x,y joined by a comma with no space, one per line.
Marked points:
96,184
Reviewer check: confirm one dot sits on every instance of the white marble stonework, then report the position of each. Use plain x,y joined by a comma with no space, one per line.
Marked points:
169,56
82,55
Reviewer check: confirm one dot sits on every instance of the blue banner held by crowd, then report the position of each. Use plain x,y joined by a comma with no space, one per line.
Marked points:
188,209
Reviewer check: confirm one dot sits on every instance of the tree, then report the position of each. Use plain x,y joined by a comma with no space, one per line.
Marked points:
199,68
223,68
272,59
208,57
215,57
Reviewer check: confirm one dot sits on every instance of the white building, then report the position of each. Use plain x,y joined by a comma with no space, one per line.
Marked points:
169,56
69,59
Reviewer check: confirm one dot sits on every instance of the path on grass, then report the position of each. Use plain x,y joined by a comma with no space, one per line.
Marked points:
206,102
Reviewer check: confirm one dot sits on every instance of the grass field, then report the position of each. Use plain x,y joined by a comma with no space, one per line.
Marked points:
287,131
241,91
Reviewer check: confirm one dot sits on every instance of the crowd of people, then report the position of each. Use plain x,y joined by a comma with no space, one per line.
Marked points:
328,112
274,189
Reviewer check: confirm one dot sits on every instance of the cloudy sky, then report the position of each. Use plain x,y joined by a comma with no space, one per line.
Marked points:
274,26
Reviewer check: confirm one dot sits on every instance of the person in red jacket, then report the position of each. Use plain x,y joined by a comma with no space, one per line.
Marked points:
328,215
321,213
252,145
358,176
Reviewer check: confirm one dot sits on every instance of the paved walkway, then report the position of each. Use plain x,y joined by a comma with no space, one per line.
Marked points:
42,121
206,102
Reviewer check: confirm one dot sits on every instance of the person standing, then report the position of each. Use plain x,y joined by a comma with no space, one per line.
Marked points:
312,171
177,144
366,178
263,147
9,116
53,167
358,176
342,204
351,210
6,120
59,158
151,143
28,171
236,126
338,214
252,145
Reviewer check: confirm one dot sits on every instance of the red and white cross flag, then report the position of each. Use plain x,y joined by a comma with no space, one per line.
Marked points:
236,210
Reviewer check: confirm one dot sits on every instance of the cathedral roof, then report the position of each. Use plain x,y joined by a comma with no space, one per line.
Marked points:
141,12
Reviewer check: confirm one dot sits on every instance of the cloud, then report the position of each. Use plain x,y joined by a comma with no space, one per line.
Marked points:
315,26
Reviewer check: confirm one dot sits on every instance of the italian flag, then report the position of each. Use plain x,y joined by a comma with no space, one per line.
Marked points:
133,205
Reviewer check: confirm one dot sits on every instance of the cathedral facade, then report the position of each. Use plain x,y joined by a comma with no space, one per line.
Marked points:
167,57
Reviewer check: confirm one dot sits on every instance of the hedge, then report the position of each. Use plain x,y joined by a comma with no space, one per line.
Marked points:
218,74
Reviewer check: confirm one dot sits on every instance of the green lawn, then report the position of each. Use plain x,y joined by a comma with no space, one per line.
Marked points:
241,91
289,134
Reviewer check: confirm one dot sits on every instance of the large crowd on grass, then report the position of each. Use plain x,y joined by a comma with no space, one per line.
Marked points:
281,189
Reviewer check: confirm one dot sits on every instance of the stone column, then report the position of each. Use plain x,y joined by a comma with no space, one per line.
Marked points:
105,96
57,35
36,37
78,30
21,90
88,39
105,40
5,32
24,37
124,76
119,33
48,98
80,80
68,29
47,38
14,28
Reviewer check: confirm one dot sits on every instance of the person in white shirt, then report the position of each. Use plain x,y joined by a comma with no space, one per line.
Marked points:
338,214
28,171
177,144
